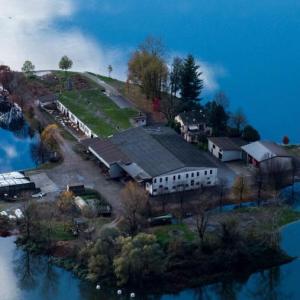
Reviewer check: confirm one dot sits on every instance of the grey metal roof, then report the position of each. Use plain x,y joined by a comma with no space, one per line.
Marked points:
226,143
264,150
194,117
107,150
47,98
159,151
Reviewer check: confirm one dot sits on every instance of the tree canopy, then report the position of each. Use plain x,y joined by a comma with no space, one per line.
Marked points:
190,83
28,67
65,63
250,134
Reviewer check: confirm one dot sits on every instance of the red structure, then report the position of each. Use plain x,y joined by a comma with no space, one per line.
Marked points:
156,104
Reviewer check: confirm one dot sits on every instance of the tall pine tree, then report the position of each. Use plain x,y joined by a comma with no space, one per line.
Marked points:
190,83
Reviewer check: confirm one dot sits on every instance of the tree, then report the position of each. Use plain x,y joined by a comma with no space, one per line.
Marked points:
28,67
6,78
222,185
65,63
240,188
175,76
222,100
218,119
259,179
48,135
162,198
132,203
140,259
202,216
66,204
285,140
190,83
295,168
110,69
277,171
148,68
238,121
250,134
29,212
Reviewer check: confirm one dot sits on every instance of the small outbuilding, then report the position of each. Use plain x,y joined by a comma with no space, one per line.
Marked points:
226,149
262,152
75,187
46,100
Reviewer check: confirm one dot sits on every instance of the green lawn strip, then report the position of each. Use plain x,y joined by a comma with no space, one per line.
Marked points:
162,233
61,233
85,104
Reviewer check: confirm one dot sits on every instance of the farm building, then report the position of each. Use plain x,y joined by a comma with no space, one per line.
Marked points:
260,153
46,100
157,158
14,182
226,149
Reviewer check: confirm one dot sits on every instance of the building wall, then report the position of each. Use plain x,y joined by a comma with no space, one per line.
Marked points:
85,129
228,155
180,181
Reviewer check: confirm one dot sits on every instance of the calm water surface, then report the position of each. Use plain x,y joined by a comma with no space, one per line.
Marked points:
27,277
249,49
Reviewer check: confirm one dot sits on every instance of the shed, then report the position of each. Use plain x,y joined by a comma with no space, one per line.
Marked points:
80,203
226,149
75,187
46,100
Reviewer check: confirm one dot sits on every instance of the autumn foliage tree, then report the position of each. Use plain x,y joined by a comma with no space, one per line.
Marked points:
66,204
285,140
240,188
132,203
6,77
48,135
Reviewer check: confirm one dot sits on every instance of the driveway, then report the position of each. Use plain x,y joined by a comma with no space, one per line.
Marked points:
240,167
112,93
223,170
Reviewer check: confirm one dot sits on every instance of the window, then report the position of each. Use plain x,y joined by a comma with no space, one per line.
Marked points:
155,180
160,179
166,188
174,177
166,179
197,174
154,191
192,182
208,178
211,171
187,175
192,174
214,146
186,185
174,187
205,173
179,176
197,183
160,186
208,182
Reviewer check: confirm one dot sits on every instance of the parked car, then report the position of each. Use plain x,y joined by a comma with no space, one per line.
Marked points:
39,195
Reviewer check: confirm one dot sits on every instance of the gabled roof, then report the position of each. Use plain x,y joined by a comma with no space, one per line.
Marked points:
159,150
226,143
194,117
261,151
107,150
47,98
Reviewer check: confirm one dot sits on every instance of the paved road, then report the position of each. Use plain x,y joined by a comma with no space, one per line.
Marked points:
113,94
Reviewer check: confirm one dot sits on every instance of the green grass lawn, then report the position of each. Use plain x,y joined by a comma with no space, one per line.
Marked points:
162,233
97,111
62,234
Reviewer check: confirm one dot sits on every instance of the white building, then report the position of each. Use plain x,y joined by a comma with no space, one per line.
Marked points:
157,158
226,149
264,153
193,124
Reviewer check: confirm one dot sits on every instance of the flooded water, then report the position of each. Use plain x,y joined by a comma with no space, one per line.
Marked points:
249,49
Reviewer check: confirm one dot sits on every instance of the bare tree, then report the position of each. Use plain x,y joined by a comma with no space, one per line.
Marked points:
202,215
222,185
277,173
163,198
29,212
295,169
110,69
259,179
222,100
174,76
238,121
133,201
181,189
240,188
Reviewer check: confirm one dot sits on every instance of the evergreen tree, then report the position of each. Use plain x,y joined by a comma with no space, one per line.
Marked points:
218,119
250,134
190,83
